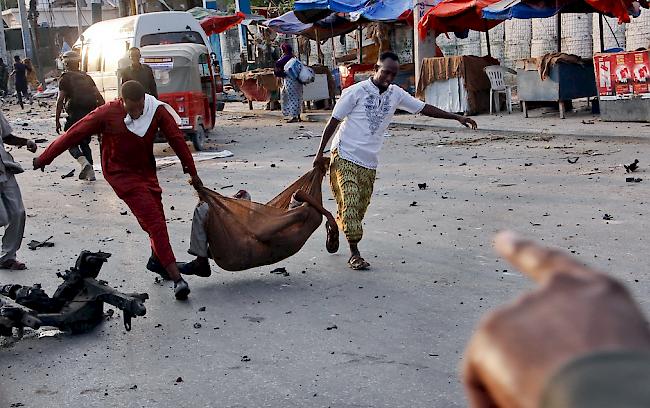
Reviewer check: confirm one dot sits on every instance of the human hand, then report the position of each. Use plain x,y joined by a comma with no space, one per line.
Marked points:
37,164
573,311
467,122
31,146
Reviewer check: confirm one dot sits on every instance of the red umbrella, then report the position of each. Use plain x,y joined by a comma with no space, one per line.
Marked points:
219,24
456,15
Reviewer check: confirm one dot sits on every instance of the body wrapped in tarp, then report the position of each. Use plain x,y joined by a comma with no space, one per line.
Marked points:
244,234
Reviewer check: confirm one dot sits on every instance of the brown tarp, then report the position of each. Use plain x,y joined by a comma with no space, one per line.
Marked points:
264,77
546,63
244,234
469,67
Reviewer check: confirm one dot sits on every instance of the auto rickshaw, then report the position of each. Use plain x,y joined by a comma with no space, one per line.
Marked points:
185,81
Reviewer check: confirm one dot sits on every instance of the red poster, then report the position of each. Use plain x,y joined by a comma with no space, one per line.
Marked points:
622,69
604,74
640,72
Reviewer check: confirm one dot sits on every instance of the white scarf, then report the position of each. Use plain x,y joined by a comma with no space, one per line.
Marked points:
140,125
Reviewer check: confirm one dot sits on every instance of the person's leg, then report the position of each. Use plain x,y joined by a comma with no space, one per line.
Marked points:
147,207
365,183
19,94
15,228
198,235
87,172
199,244
81,152
332,242
344,181
86,150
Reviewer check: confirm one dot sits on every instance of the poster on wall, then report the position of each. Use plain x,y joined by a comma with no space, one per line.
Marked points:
641,73
623,75
603,64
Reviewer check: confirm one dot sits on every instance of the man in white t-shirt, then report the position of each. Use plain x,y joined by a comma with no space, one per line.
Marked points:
364,112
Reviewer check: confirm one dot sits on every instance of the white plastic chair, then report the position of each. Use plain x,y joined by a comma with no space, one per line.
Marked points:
498,85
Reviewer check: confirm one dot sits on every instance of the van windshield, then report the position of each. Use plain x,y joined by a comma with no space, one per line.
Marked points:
171,38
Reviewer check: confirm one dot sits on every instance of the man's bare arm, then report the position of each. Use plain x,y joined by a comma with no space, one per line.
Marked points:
434,112
59,107
330,128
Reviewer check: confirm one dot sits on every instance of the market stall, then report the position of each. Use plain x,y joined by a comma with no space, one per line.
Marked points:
555,78
323,87
456,84
323,20
353,73
623,86
256,85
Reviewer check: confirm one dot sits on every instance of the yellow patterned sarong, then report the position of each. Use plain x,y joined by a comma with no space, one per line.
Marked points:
352,188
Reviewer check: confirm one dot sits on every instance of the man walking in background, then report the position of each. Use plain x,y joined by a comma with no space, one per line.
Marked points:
139,72
79,95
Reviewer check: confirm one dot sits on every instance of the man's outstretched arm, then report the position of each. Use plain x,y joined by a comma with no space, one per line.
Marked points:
434,112
59,108
330,128
88,126
176,140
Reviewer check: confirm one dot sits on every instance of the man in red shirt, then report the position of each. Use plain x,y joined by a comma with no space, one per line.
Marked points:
129,166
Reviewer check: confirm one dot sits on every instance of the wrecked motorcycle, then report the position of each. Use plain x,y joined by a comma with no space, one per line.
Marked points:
76,306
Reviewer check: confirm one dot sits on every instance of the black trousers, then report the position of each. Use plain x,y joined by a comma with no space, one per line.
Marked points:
83,149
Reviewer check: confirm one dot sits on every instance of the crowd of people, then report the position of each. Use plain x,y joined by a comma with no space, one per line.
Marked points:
578,340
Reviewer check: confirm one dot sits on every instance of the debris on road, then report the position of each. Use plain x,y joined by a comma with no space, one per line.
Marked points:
629,168
34,245
280,271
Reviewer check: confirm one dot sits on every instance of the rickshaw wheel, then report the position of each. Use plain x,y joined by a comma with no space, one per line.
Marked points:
198,138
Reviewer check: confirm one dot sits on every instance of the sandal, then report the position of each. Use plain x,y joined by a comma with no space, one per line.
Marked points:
357,263
13,265
332,242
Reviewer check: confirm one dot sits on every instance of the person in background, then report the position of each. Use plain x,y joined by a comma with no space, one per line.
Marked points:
80,96
291,91
12,209
139,72
578,340
32,78
20,80
4,78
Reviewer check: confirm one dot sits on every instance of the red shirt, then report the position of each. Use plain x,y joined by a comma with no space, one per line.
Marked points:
127,159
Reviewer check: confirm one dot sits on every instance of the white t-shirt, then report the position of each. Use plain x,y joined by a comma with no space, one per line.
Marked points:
366,114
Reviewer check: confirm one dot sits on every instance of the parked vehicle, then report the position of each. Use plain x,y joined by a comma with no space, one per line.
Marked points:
186,82
103,44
